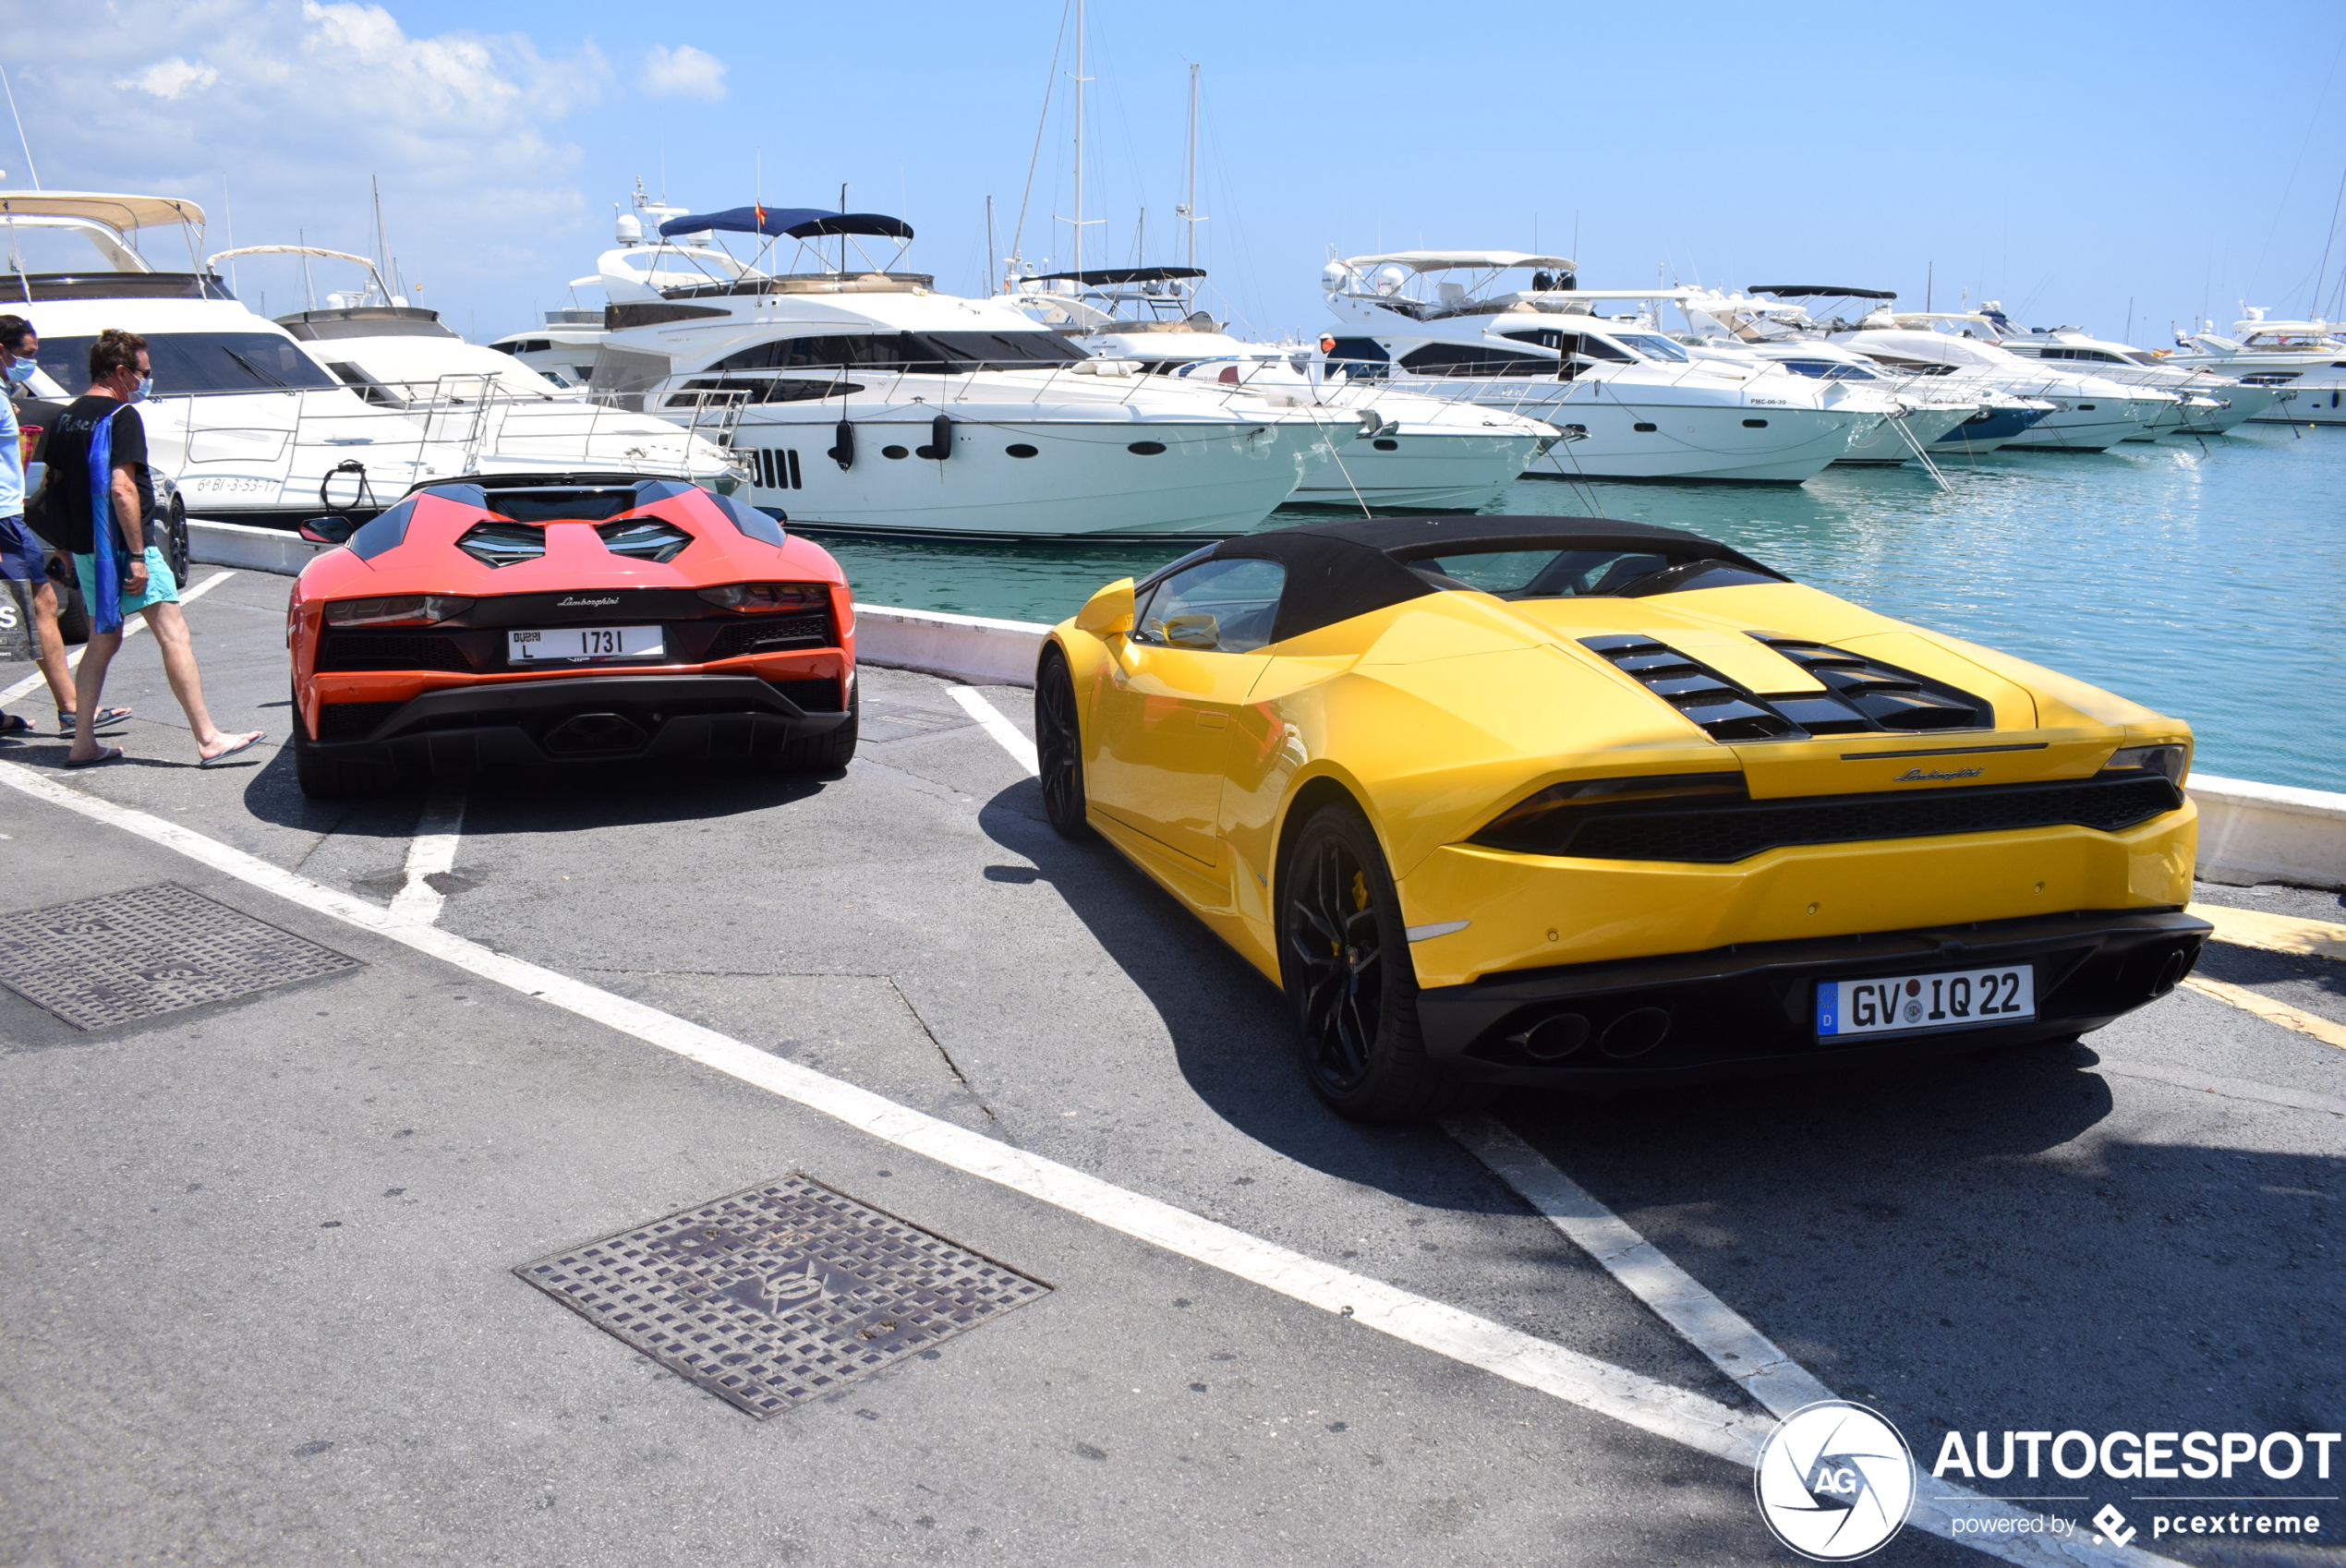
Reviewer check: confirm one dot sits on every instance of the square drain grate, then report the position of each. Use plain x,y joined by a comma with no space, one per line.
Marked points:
773,1296
127,955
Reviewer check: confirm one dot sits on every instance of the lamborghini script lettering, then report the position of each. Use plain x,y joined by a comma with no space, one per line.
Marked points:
1916,776
574,602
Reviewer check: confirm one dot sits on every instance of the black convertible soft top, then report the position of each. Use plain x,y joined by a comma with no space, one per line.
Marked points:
1336,570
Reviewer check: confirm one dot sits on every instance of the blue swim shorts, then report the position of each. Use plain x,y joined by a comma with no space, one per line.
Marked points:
162,587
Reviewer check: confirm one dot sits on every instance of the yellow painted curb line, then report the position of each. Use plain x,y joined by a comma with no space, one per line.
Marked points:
2265,1007
2275,933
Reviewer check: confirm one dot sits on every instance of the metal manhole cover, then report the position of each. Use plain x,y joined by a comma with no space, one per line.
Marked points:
773,1296
126,955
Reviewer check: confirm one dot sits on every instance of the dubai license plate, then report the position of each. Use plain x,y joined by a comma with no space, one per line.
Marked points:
574,645
1916,1004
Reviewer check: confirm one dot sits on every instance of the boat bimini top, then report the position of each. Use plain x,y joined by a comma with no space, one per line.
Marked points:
107,222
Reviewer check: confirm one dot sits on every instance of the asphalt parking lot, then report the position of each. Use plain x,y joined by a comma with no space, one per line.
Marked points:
257,1298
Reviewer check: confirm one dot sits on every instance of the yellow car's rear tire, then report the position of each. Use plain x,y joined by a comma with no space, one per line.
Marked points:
1345,957
1059,747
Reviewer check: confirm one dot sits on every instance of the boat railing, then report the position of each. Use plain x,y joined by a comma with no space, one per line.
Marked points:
338,454
334,455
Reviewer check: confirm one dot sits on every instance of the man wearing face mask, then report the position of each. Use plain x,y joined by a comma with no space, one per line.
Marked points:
120,376
22,555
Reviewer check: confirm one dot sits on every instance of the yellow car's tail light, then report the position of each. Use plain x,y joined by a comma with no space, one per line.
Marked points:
2170,763
1545,824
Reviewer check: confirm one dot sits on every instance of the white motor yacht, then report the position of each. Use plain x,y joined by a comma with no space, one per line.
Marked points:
1722,329
1630,403
2089,413
2212,403
251,429
2302,362
507,418
862,399
564,349
1773,321
1414,452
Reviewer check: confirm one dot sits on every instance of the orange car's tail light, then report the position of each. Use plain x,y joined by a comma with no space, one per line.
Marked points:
398,609
756,598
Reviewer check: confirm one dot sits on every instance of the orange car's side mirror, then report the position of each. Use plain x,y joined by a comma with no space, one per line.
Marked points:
1108,613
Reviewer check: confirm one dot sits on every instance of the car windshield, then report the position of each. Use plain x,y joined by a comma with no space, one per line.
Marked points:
1218,606
200,363
1584,573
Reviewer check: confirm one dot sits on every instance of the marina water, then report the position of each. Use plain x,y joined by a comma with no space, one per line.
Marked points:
2205,580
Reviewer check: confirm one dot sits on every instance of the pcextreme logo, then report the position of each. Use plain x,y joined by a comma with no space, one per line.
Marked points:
1834,1481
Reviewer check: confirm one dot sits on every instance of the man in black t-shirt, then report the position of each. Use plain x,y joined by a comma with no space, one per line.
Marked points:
120,377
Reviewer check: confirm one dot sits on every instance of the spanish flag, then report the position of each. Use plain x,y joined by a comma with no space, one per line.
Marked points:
760,210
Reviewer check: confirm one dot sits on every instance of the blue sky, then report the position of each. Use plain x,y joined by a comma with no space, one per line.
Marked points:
2065,158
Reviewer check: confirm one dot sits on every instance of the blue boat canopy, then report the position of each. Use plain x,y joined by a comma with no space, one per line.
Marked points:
798,223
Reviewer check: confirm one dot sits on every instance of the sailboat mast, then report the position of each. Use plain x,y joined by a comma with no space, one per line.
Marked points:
383,240
1189,208
1079,135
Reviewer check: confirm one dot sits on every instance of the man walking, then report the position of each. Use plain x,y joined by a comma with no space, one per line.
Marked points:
22,556
121,501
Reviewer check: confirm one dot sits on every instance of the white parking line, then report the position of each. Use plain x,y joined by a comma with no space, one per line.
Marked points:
1004,733
431,852
1630,1397
1769,1376
132,626
1741,1351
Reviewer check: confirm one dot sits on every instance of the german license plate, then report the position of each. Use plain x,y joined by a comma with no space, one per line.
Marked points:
1915,1004
574,645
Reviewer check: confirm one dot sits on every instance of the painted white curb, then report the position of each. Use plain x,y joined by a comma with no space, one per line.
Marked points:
967,648
241,544
2251,832
2248,832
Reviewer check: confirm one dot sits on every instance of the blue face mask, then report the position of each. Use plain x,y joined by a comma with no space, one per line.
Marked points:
145,389
20,370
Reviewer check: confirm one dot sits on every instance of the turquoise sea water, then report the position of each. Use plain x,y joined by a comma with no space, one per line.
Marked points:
2206,581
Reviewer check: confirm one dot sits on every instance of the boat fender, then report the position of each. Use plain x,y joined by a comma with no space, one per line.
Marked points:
843,453
940,439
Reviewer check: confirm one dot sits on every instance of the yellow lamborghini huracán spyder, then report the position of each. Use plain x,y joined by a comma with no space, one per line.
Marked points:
1558,799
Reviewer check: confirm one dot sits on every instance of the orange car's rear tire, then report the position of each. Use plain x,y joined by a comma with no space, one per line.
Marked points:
1345,957
829,753
1059,747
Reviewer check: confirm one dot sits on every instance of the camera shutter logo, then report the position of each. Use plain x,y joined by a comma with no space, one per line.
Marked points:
1834,1481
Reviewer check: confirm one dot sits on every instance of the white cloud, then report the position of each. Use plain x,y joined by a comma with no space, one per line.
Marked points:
296,103
168,79
683,72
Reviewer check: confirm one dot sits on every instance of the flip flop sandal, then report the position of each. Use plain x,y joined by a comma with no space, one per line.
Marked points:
14,724
105,756
106,716
239,746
